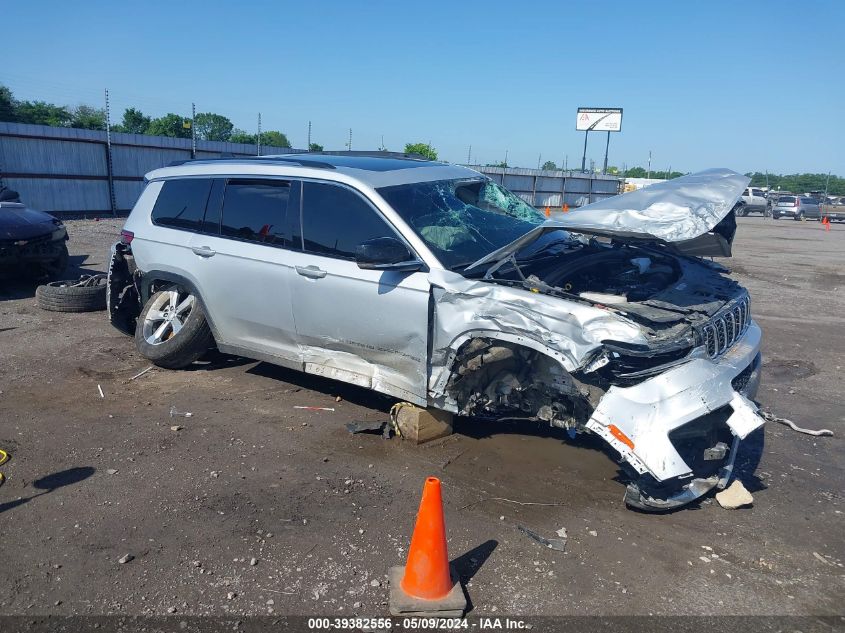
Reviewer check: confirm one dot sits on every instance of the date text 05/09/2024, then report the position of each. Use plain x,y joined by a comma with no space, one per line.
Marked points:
418,623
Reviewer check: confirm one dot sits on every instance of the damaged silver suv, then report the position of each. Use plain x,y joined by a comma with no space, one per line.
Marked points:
431,283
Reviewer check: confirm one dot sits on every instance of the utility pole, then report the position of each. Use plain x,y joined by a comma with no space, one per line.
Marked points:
566,162
258,138
606,148
309,136
109,164
506,158
349,144
469,155
648,173
539,158
193,130
827,182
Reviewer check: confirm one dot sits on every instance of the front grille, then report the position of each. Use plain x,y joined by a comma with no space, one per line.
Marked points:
724,329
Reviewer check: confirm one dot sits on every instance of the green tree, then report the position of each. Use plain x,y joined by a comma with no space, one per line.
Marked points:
170,125
423,149
7,104
88,118
42,113
501,163
134,122
549,164
213,127
240,136
315,147
612,170
636,172
274,138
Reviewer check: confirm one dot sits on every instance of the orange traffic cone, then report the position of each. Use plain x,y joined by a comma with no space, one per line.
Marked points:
427,586
565,208
548,212
826,222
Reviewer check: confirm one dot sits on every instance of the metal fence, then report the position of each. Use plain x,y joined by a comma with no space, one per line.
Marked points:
553,188
72,171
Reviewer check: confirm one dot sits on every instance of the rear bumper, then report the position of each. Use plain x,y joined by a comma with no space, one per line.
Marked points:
664,426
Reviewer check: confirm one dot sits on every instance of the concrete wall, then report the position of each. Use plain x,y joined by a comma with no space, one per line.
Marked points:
66,170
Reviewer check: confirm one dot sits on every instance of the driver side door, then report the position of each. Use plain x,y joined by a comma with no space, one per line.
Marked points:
366,327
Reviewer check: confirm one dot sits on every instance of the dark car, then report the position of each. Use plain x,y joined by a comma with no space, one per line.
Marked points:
31,242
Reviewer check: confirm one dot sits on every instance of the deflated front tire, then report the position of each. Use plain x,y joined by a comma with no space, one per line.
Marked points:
172,330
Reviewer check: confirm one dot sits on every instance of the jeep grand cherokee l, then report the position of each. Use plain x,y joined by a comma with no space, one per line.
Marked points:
431,283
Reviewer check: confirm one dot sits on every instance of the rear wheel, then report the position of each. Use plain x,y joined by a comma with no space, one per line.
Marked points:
172,330
799,217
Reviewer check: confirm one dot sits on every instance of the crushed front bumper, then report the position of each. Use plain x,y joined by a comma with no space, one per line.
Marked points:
663,427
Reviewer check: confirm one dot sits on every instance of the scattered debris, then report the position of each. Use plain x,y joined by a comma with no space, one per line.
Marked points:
138,375
375,583
823,559
558,544
253,562
734,496
315,408
174,412
771,417
100,389
337,398
592,533
112,471
125,559
176,427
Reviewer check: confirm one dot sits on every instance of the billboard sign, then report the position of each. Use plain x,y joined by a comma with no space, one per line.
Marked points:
599,120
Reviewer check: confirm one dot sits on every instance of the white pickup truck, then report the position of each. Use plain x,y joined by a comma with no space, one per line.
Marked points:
753,200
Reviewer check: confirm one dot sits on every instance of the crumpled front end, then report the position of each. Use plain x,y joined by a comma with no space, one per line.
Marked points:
677,424
680,430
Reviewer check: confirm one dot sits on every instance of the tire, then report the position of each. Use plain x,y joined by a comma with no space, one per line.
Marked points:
70,296
799,217
166,344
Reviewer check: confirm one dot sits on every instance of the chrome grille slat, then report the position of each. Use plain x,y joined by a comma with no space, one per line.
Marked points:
726,328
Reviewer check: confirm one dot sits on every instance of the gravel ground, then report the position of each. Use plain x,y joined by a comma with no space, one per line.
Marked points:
253,507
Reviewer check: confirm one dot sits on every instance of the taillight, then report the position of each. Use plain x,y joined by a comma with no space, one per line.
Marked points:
126,237
795,204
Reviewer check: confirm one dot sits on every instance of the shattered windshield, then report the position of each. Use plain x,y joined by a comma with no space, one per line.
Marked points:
461,221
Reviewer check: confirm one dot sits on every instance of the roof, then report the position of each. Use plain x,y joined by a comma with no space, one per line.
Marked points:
376,169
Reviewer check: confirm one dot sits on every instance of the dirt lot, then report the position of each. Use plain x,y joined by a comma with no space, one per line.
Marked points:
254,507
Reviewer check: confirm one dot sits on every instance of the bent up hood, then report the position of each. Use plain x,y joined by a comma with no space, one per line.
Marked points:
692,213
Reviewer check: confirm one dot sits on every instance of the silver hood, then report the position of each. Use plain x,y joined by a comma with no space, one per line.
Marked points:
692,213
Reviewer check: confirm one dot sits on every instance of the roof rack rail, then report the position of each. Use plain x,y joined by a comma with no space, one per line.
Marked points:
285,159
370,154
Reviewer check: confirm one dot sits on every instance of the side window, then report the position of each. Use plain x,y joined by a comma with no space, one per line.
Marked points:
181,203
336,220
255,210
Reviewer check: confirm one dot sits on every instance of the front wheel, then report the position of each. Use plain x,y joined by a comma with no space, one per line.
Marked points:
172,330
799,217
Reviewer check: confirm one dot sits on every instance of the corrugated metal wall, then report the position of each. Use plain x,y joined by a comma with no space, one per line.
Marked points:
65,170
553,188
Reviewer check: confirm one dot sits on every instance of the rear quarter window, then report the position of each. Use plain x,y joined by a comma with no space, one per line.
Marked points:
181,203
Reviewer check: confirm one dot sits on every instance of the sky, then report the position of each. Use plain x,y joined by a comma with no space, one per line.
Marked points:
752,85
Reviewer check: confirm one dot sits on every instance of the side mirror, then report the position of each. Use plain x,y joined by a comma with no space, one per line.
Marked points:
385,253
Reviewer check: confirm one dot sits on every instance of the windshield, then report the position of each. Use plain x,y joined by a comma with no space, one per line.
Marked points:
461,221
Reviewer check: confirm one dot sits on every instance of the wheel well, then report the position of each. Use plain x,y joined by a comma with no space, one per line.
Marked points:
491,377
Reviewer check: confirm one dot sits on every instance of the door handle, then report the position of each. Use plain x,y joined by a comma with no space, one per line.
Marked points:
203,251
312,272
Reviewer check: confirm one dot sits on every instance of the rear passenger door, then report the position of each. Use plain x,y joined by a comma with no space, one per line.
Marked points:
243,266
367,327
